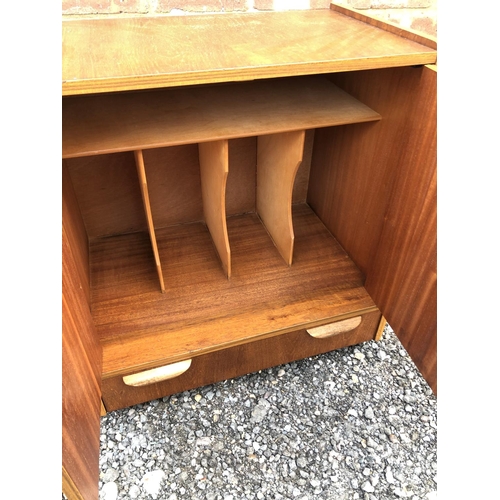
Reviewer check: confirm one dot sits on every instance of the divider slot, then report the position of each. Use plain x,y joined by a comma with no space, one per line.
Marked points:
214,169
278,159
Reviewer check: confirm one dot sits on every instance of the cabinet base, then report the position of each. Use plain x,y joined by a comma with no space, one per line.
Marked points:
237,361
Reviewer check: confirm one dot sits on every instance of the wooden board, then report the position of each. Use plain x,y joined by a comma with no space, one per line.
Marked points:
127,53
81,383
278,159
108,193
113,123
385,25
238,360
371,184
109,197
141,172
77,235
214,168
202,311
403,276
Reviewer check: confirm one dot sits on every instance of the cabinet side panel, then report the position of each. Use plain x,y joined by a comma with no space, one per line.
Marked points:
353,166
372,184
81,372
403,277
76,231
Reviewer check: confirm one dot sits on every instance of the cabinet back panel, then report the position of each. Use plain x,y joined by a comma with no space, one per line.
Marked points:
108,191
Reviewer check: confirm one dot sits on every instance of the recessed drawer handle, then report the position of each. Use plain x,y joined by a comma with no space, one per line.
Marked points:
157,374
322,332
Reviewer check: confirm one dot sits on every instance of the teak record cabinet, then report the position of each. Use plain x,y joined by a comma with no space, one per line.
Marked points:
239,191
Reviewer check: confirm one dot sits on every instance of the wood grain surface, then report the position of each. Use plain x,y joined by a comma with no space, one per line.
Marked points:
141,120
239,360
202,311
278,159
109,194
403,276
81,383
76,231
126,53
69,488
109,197
214,169
409,34
368,184
143,182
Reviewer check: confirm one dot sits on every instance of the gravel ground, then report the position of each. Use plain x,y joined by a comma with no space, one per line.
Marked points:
357,423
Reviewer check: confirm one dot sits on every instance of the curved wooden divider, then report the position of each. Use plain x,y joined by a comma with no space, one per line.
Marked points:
214,169
278,159
141,171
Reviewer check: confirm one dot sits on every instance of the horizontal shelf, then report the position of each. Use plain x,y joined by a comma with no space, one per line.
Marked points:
113,123
140,52
201,311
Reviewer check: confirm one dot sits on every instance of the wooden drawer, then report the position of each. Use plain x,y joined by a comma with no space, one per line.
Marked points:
242,359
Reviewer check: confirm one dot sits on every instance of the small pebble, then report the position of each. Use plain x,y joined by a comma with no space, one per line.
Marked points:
109,491
369,413
368,487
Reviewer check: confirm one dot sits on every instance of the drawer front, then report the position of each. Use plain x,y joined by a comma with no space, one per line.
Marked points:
120,392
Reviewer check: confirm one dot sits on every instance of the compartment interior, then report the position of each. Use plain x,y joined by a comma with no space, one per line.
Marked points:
188,248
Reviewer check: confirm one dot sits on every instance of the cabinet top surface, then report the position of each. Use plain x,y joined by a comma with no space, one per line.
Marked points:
117,54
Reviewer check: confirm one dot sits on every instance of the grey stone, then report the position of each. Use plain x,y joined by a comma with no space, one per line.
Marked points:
369,413
110,475
134,491
368,487
388,476
109,491
152,482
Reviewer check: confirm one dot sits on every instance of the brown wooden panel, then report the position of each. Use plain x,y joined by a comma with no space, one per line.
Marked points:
174,184
77,234
141,173
201,310
416,36
368,185
214,48
353,168
69,487
237,361
403,277
81,377
302,178
108,193
214,168
278,159
104,124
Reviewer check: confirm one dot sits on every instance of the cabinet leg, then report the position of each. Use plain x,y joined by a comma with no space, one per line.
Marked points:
380,329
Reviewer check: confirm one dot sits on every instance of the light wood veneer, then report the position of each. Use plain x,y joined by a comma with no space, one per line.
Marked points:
149,52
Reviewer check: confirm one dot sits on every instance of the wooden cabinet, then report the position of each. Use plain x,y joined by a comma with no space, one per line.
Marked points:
239,191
